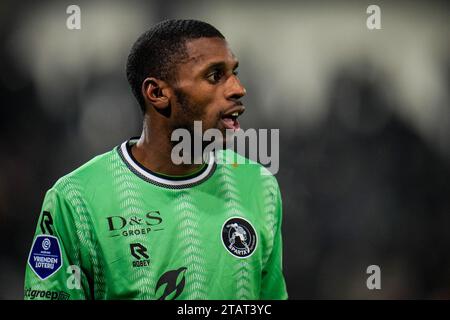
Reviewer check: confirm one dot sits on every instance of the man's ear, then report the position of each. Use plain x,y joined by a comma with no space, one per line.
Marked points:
156,92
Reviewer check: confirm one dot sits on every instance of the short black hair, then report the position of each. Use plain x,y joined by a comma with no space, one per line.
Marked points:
157,51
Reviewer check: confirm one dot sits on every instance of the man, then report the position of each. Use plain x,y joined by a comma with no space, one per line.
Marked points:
132,224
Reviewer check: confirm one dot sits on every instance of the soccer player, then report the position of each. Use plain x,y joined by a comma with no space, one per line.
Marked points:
132,224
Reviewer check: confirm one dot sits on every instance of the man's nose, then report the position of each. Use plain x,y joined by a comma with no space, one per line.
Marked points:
235,89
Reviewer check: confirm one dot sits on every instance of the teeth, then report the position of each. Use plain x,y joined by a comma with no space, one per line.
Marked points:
235,114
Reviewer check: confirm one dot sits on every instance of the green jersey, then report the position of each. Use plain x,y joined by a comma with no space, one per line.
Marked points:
112,229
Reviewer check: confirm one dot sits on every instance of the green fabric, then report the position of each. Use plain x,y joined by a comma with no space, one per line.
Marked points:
180,229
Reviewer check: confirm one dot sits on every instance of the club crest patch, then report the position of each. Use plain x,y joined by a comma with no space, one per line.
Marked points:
239,237
45,256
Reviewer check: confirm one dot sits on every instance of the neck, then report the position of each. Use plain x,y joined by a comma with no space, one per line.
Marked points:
153,150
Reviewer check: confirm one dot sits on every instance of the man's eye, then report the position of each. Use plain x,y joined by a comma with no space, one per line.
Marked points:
215,76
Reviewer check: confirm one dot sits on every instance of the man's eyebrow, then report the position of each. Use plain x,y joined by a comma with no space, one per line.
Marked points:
220,65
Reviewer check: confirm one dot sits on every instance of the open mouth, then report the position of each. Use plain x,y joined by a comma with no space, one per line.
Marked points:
230,121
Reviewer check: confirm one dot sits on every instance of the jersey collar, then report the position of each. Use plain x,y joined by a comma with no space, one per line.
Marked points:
172,182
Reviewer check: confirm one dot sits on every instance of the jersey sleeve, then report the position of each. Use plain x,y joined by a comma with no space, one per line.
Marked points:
53,269
273,285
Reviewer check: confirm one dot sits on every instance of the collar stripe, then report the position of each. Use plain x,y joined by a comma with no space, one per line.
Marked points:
148,176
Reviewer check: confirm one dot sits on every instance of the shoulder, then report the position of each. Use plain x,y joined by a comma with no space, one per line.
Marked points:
87,176
247,169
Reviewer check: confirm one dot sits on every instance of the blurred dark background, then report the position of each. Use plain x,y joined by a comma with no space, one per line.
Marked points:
363,114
